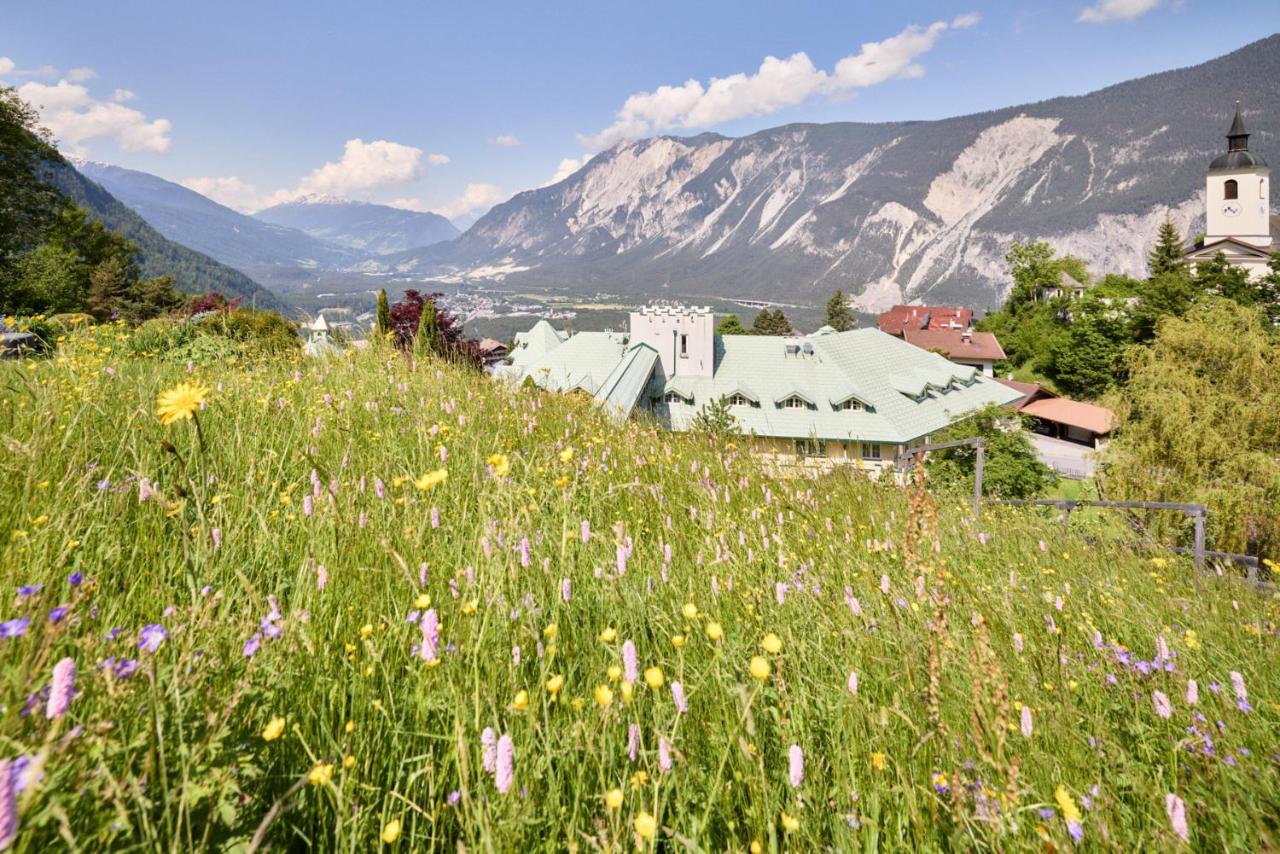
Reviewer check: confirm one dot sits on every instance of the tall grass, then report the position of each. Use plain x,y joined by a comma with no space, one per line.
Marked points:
289,546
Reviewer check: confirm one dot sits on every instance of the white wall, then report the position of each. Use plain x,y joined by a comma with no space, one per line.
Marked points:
684,338
1251,224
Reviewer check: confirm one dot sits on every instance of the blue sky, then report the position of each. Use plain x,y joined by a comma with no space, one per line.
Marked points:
455,106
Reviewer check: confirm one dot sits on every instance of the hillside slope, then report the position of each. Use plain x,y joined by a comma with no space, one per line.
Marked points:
193,220
193,272
904,210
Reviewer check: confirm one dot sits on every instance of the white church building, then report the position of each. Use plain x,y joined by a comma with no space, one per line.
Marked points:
1238,221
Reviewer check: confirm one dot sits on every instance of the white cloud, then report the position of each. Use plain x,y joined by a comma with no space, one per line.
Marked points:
80,75
122,95
6,66
230,191
777,84
566,168
75,117
1115,10
506,140
365,166
408,204
965,21
437,159
476,199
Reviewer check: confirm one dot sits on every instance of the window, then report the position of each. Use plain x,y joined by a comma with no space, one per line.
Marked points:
810,448
1231,190
739,400
684,346
794,402
870,452
852,406
674,397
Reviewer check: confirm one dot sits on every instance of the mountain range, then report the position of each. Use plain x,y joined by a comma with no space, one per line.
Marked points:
280,245
193,272
889,212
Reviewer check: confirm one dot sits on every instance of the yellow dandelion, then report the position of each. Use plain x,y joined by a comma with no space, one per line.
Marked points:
423,600
603,695
628,691
181,401
521,701
349,762
1066,805
608,635
615,672
366,630
878,761
760,667
646,825
321,774
432,479
690,611
613,800
653,677
715,631
273,730
772,644
677,641
391,831
554,684
501,465
566,455
790,823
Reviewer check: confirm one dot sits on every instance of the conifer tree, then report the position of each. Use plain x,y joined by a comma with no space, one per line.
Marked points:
1166,257
382,325
427,339
839,315
731,325
108,285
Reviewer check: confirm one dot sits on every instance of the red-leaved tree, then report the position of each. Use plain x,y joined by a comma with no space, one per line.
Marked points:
406,314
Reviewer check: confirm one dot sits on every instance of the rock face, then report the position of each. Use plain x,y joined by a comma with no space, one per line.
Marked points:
889,212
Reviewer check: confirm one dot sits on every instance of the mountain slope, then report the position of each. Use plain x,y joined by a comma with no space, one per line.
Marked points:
193,271
204,225
905,210
369,229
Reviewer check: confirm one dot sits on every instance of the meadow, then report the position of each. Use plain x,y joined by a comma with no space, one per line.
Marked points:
371,603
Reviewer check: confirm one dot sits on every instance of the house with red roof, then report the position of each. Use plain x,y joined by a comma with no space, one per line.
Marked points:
946,330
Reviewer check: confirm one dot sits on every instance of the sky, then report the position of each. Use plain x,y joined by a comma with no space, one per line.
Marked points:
454,107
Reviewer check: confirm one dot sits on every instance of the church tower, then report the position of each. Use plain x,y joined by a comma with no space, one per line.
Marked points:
1238,192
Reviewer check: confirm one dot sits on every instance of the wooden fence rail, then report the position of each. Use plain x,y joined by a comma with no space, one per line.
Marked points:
1196,512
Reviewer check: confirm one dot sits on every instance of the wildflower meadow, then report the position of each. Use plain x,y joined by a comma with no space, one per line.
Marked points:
373,602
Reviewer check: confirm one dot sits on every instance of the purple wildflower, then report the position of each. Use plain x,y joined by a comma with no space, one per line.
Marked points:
75,578
1163,708
62,689
1076,831
1177,811
630,662
15,628
151,636
29,589
8,805
664,755
58,613
505,772
1026,721
633,741
430,635
489,750
677,696
795,769
252,644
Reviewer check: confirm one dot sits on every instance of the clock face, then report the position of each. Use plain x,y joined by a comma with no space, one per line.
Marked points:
1230,208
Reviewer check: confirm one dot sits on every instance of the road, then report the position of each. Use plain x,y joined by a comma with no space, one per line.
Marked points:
1066,458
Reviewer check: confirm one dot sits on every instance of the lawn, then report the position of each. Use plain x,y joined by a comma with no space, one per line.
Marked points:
371,603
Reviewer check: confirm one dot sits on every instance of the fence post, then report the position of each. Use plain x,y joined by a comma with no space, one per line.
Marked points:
1199,517
977,477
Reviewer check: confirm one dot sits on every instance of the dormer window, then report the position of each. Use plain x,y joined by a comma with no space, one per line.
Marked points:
674,397
1231,190
795,402
852,406
739,400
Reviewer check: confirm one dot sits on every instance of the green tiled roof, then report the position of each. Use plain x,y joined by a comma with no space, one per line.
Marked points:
627,382
906,392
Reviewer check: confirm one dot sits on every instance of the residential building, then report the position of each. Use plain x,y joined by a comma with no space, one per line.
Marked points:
936,317
858,397
1238,221
946,330
1061,417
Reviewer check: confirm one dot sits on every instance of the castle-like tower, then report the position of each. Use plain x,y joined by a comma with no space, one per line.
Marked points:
1238,220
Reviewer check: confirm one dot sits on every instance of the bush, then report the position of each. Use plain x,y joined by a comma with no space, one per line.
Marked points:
160,336
263,331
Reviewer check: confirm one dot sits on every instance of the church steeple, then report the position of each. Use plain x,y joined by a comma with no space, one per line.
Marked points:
1237,137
